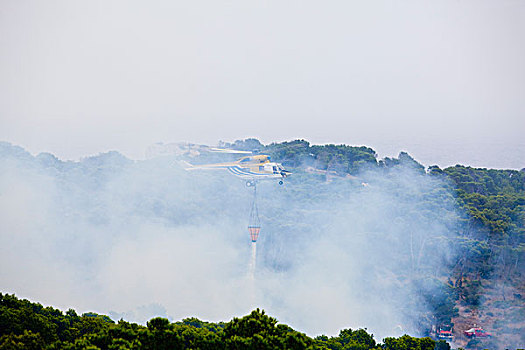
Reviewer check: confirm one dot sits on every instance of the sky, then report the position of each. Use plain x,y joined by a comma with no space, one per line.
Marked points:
442,80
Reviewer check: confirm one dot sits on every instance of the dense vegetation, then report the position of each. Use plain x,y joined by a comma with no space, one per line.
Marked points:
491,240
482,282
492,200
27,325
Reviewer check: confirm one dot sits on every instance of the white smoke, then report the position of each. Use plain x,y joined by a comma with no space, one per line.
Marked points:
141,239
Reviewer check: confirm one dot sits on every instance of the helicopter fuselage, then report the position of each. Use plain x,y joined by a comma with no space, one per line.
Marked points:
250,168
258,171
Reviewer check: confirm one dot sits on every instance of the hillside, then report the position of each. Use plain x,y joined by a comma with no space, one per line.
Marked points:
486,279
393,245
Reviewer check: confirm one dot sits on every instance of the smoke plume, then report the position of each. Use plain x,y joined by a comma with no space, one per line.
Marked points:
137,239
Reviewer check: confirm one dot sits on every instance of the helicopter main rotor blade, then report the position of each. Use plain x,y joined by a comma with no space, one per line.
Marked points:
225,150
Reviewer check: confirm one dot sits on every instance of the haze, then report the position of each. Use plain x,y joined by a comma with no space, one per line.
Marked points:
442,80
140,239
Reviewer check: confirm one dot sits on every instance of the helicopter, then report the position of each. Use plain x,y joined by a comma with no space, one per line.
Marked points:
252,168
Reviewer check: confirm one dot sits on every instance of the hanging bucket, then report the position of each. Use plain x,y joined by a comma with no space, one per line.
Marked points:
254,232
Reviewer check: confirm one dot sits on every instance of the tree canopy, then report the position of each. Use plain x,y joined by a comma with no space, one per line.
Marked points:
28,325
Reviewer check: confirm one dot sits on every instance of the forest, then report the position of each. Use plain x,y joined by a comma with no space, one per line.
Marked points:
402,244
492,200
28,325
486,279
